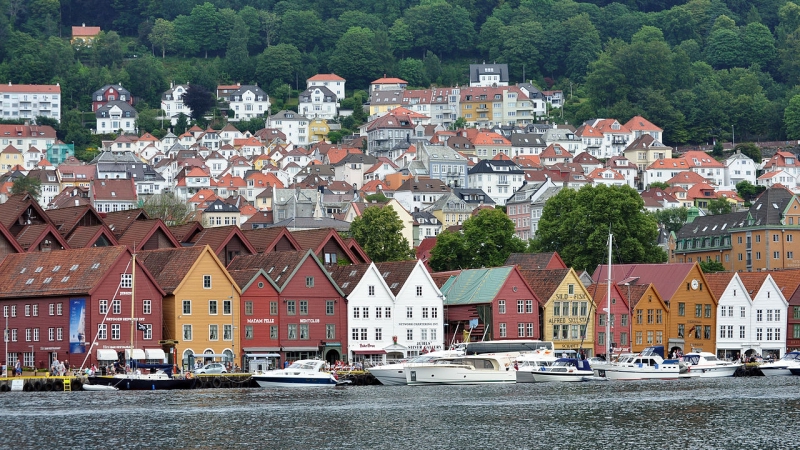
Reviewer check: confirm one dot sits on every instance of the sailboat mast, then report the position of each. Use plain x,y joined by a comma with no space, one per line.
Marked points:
133,304
608,300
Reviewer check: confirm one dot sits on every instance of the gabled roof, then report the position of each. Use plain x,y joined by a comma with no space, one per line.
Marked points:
536,261
667,278
180,262
544,282
91,236
67,219
280,266
326,77
475,286
265,239
21,209
186,232
639,123
218,237
396,273
316,240
68,272
119,221
30,236
140,231
718,282
348,277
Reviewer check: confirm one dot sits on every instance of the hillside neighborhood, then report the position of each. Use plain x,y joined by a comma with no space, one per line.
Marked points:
270,213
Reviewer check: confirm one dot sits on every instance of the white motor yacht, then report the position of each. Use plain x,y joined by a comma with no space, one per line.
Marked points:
782,366
647,365
707,365
394,374
472,369
301,373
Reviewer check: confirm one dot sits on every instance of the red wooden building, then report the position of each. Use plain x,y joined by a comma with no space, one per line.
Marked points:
310,312
75,305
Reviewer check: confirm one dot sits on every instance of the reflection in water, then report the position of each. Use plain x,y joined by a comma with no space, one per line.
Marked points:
699,413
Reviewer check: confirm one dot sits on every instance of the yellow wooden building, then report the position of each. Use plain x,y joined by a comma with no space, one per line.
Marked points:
568,309
201,306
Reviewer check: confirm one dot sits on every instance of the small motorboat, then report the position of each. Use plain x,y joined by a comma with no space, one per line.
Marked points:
533,362
301,373
707,365
565,370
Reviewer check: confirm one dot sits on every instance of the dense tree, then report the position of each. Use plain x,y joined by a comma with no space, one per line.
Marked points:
711,266
237,58
449,252
672,219
355,57
719,206
162,35
486,240
791,118
576,224
750,150
378,232
199,100
27,185
278,62
748,191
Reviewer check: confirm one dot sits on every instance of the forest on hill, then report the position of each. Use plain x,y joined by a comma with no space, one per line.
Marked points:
702,69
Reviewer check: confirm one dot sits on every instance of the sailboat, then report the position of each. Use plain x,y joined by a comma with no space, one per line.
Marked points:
141,377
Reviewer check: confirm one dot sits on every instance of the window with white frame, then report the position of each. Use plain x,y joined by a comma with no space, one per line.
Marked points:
102,331
206,281
115,331
116,306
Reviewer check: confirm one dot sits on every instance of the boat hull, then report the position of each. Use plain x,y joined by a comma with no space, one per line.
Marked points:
437,374
637,373
714,371
143,384
776,371
391,375
266,381
570,377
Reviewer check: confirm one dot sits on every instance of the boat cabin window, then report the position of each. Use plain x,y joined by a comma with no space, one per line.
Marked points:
691,359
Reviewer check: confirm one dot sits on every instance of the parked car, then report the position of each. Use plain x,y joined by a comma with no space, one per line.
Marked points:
212,368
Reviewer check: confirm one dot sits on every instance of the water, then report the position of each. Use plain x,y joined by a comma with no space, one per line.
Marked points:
698,414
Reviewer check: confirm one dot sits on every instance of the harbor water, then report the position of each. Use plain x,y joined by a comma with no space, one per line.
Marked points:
726,413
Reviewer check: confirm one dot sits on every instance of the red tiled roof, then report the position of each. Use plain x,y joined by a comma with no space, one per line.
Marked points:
86,236
326,77
178,260
68,272
396,273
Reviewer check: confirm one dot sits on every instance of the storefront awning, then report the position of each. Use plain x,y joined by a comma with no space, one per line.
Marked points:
300,349
154,353
263,355
262,349
106,354
137,354
369,352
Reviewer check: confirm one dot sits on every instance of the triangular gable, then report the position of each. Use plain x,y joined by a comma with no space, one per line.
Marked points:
34,238
219,238
546,283
20,210
187,232
93,236
119,221
271,239
246,277
321,241
207,252
68,219
148,235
